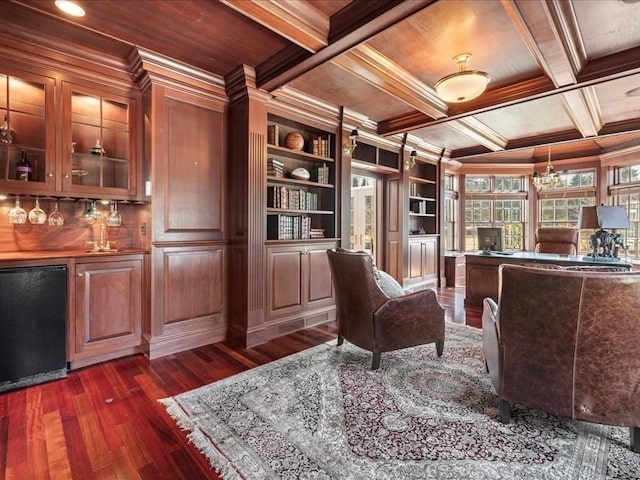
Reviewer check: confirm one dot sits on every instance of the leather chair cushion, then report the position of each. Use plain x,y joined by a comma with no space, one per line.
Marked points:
388,284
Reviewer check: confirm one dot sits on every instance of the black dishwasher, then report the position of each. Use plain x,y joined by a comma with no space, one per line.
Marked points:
33,311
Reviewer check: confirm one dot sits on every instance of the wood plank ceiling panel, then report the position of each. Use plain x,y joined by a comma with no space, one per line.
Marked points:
339,87
207,34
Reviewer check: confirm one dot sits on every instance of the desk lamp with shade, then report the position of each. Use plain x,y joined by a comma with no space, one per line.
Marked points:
605,245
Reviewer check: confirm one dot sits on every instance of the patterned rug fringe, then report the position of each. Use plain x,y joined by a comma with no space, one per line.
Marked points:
218,462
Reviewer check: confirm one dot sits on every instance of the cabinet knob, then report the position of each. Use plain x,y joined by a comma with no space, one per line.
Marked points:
66,175
80,274
50,174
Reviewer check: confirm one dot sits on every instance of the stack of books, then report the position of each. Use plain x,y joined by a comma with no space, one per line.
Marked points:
316,233
275,168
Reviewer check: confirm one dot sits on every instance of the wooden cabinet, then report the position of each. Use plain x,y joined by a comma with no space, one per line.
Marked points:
98,147
300,206
423,261
107,316
27,124
382,159
299,287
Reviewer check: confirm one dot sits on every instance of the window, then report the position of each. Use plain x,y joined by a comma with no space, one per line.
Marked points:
495,202
574,179
626,193
577,189
450,213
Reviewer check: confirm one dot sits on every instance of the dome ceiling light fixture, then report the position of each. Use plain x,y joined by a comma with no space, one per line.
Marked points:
71,8
464,85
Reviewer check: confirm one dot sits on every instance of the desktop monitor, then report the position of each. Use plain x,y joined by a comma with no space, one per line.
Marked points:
490,239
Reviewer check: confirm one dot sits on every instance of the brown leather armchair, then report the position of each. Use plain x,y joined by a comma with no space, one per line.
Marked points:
566,343
563,241
370,319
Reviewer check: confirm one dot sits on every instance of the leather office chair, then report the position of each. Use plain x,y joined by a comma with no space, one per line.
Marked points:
370,319
565,342
560,240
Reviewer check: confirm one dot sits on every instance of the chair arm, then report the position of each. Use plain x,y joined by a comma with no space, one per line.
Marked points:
491,341
409,320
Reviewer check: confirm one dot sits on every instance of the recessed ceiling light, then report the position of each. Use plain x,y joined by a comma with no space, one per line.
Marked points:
71,8
634,92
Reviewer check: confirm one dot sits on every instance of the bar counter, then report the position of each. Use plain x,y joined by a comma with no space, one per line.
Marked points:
482,270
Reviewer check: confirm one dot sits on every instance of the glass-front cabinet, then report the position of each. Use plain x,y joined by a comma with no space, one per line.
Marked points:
27,142
97,146
82,145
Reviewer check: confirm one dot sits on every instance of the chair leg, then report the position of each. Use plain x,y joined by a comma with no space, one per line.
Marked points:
505,411
340,340
375,363
439,347
634,437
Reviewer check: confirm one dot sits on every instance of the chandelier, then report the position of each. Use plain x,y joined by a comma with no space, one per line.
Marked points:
464,85
549,178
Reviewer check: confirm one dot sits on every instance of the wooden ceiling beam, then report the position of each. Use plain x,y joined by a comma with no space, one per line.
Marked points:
373,67
353,25
473,128
299,22
584,110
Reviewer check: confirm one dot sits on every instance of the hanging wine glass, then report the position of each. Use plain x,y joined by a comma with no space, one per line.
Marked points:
56,218
17,215
91,214
37,216
114,219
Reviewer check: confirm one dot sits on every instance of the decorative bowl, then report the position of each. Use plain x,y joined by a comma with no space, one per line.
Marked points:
301,174
294,141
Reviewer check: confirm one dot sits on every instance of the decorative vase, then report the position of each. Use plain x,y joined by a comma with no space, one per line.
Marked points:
294,141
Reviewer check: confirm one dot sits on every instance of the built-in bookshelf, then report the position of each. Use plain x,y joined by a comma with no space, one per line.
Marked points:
423,199
300,180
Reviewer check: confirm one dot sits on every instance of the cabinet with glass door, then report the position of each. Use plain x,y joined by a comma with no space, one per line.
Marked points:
98,149
27,160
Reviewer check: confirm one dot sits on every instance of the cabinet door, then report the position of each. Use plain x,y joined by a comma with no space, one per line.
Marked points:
27,124
320,289
98,150
285,280
430,259
189,174
416,262
108,307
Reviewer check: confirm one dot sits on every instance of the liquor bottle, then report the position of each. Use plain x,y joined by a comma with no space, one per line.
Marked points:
23,168
7,134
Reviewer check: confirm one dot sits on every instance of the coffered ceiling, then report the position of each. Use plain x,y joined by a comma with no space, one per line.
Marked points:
563,73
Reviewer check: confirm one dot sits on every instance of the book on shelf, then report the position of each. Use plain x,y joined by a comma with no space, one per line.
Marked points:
273,135
288,227
321,147
291,198
322,174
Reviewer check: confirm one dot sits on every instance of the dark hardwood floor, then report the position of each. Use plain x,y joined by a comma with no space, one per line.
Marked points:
104,421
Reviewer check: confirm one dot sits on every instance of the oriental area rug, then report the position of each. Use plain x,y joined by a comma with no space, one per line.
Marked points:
323,414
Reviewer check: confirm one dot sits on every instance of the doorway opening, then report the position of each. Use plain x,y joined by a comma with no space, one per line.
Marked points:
363,214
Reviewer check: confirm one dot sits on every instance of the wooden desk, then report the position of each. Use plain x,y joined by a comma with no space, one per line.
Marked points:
482,270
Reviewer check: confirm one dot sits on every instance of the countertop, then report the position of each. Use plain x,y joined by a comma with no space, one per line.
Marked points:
53,254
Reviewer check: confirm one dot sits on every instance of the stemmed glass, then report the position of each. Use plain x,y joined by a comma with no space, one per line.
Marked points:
37,216
114,219
55,218
17,215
